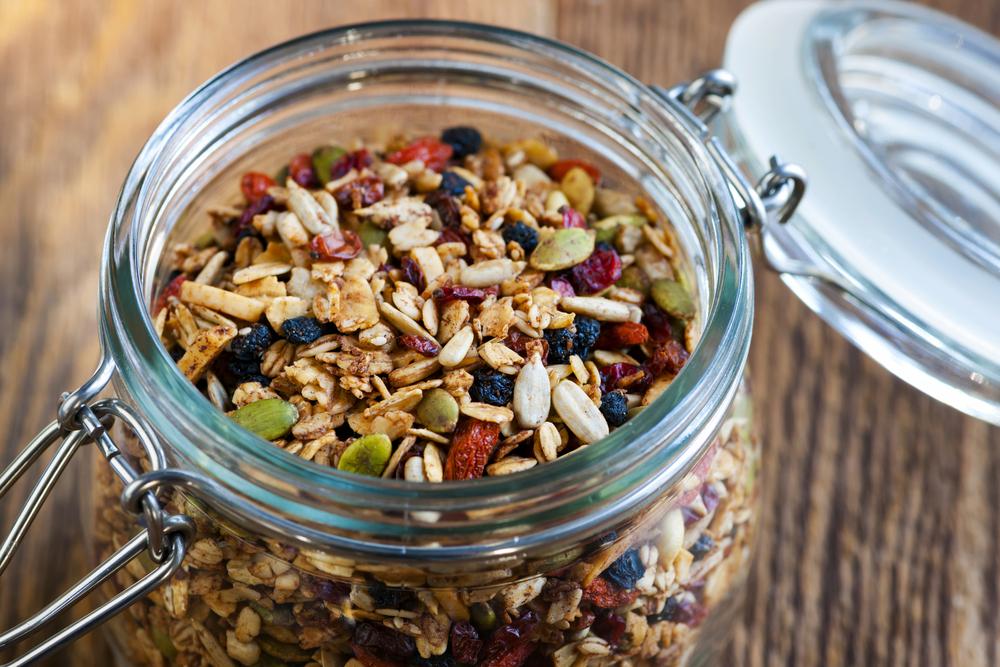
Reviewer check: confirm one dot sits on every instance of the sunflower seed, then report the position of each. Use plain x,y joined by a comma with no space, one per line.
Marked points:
532,394
579,413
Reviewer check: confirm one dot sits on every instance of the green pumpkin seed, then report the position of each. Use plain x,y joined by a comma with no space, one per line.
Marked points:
579,189
563,249
367,455
608,227
163,643
372,234
613,202
323,159
483,617
671,296
271,418
283,651
281,176
634,278
438,411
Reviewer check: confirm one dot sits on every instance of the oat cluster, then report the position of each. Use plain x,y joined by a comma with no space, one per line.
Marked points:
433,309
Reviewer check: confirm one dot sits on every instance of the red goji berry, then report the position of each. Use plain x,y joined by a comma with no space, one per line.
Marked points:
604,594
173,288
424,346
471,448
255,184
667,357
623,334
431,151
301,170
360,192
559,169
335,244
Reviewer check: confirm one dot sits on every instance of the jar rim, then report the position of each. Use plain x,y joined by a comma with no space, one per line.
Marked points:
293,490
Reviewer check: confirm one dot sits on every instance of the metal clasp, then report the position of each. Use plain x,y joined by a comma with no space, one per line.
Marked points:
164,536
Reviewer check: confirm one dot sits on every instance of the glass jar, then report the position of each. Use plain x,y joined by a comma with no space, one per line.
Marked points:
630,551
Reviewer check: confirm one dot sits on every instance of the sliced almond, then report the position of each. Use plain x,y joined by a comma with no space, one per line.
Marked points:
203,350
222,300
258,271
357,306
491,272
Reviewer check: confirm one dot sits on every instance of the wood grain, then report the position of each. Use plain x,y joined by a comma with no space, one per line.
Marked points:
880,536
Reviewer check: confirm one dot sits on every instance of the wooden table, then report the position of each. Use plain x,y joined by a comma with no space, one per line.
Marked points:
881,535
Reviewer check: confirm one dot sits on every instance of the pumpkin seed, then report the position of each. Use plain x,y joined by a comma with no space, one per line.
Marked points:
634,278
438,411
367,455
371,234
563,249
608,227
671,296
323,159
613,202
579,189
270,418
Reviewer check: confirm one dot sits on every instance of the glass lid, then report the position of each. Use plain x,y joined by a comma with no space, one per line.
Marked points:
894,112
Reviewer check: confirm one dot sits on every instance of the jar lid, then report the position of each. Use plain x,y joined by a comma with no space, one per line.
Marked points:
894,112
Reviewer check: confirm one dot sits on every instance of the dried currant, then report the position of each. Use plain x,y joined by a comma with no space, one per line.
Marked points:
301,329
702,546
598,272
453,184
385,597
424,346
525,236
413,273
252,344
429,150
254,185
659,324
492,386
614,407
626,570
335,244
300,169
465,642
623,375
360,192
471,448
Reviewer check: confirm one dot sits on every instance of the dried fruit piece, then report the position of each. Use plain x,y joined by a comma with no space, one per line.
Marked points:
561,250
572,218
453,184
367,455
413,273
335,244
604,594
673,298
425,346
360,192
448,293
438,411
270,418
622,334
598,272
301,330
432,152
623,375
491,386
463,140
614,407
368,658
667,357
626,570
254,185
525,236
300,170
563,286
511,644
173,288
465,643
252,344
383,639
471,448
609,627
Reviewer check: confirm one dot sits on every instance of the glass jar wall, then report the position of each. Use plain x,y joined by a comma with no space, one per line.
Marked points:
626,552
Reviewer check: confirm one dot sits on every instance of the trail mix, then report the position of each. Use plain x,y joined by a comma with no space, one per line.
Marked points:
431,310
435,309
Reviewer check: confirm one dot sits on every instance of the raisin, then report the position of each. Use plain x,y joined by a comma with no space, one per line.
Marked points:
702,546
446,293
453,184
254,185
413,273
360,192
432,152
384,640
301,329
173,288
465,642
559,169
602,593
471,448
560,345
572,218
680,609
622,334
424,346
385,597
463,140
511,644
667,357
598,272
447,207
452,235
301,170
562,285
261,206
610,628
586,331
614,407
626,570
335,244
252,344
525,236
492,386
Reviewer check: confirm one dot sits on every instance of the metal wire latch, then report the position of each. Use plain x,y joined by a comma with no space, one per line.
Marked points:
164,536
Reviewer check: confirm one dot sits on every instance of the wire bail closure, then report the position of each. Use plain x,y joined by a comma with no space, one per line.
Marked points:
164,536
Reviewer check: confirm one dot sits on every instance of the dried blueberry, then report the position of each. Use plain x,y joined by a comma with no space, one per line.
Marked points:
560,345
245,370
702,546
490,386
252,344
588,330
614,407
463,140
301,329
453,184
525,236
625,571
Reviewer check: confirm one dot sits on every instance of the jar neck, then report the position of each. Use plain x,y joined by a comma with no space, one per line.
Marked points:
434,68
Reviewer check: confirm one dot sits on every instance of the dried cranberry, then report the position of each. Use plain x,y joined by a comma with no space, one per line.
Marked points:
360,192
424,346
255,184
465,643
610,628
370,659
447,207
433,152
358,159
667,357
584,620
572,218
562,285
511,644
255,208
301,170
447,293
173,288
659,324
450,235
622,375
413,273
702,546
598,272
335,244
383,639
518,342
710,497
559,170
622,334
